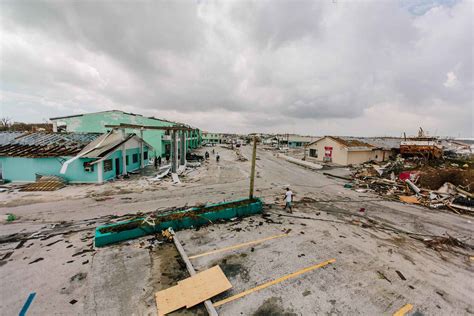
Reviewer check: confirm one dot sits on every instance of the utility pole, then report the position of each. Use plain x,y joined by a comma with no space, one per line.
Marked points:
252,170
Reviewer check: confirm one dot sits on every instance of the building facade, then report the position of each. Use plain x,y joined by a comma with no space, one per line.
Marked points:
211,138
345,151
76,157
97,122
295,141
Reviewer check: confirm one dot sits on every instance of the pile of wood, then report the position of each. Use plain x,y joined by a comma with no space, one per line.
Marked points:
45,183
392,182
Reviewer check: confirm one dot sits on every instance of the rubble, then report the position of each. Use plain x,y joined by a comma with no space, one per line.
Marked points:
413,181
45,183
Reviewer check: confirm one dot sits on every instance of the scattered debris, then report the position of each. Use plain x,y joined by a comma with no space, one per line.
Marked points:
175,178
382,276
400,275
45,183
36,260
407,181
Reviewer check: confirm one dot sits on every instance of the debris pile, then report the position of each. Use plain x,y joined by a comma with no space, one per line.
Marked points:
240,156
447,186
45,183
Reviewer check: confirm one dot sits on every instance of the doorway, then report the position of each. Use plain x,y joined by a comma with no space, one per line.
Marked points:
117,166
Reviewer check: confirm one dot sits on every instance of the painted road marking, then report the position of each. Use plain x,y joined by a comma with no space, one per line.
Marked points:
402,311
265,285
28,302
237,246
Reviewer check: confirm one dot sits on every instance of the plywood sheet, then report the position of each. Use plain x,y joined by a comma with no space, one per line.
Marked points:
169,300
409,199
204,285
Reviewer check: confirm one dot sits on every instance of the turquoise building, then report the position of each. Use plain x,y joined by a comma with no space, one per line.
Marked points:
96,122
76,157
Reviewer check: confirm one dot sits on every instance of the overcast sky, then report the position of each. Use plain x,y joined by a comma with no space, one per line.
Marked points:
374,67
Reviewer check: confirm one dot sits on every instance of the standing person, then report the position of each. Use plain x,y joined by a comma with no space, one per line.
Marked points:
213,151
288,198
156,163
159,160
217,157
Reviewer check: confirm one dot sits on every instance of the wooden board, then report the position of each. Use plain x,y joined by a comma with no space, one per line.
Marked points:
204,285
169,300
409,199
192,291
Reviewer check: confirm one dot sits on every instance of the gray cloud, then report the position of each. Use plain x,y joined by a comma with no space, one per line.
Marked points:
302,66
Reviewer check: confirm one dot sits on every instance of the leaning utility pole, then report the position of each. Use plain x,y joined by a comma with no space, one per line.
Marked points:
252,171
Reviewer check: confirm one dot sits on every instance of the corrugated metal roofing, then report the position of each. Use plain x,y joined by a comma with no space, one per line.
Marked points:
40,144
104,144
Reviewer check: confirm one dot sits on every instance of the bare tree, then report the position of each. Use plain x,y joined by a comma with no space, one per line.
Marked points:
5,122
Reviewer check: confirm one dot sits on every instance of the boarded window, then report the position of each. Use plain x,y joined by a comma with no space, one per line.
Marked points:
126,160
313,153
107,165
145,155
135,158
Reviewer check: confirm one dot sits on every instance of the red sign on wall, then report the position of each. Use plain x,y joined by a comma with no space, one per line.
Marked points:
327,151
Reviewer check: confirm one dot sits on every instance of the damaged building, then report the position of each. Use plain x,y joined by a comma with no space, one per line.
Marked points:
346,151
76,157
97,122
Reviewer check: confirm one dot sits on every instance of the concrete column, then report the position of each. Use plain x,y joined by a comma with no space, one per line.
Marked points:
141,149
100,172
182,161
174,152
124,160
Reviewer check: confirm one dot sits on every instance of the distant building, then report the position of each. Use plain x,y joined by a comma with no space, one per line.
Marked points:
345,151
77,157
295,141
211,138
96,122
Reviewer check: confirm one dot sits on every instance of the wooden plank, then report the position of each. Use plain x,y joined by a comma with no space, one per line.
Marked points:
405,309
409,199
169,300
250,243
204,285
207,303
265,285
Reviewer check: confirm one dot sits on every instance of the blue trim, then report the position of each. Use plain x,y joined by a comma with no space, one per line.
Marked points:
27,304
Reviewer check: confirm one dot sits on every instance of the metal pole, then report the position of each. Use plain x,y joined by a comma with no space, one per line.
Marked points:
252,170
208,304
141,148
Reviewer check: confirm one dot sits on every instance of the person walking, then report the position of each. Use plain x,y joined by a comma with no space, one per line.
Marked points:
288,198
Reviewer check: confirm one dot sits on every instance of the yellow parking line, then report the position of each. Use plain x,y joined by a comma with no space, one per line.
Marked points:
265,285
237,246
402,311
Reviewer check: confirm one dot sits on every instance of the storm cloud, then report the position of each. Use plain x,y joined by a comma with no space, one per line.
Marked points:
310,67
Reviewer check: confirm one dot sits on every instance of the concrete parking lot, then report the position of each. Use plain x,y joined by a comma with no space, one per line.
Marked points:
378,267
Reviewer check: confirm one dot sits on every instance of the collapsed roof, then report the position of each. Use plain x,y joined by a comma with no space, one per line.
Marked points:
107,143
43,144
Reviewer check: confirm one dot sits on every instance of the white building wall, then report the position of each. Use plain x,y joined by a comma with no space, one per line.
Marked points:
339,152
